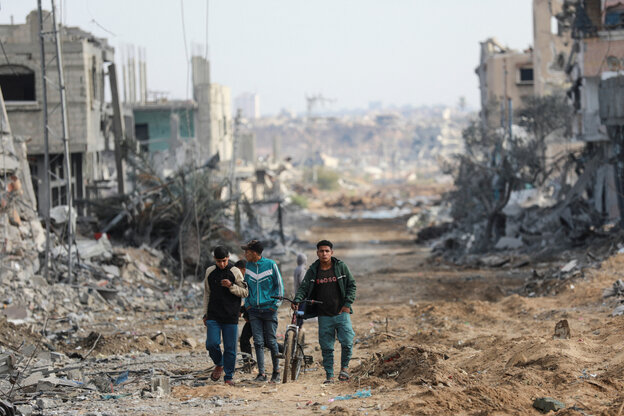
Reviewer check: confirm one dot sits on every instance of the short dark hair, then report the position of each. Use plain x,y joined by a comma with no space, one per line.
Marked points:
220,252
241,264
324,243
253,245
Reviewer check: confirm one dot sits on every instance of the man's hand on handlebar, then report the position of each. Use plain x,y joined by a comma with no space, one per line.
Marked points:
294,306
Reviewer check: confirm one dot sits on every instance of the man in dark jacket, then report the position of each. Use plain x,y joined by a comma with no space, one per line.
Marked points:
329,281
224,287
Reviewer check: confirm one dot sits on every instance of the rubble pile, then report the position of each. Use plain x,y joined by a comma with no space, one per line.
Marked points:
529,224
410,365
176,214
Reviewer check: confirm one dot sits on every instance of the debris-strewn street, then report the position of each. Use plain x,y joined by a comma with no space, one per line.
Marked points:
430,339
464,246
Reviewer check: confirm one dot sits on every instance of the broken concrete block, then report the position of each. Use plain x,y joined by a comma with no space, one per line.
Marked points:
24,409
162,383
93,248
45,403
75,375
39,281
618,311
50,383
29,384
192,342
509,243
562,330
617,289
6,363
111,270
569,266
546,404
160,338
38,235
16,313
60,214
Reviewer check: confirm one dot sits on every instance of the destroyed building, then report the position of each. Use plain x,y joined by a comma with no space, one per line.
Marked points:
507,76
85,58
175,132
598,94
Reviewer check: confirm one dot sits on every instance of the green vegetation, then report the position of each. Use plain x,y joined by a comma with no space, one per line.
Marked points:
299,200
326,178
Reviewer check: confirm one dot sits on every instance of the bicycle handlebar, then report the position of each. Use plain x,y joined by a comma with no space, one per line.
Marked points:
310,301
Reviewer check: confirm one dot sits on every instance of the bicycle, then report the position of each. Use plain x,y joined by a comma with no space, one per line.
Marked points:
294,342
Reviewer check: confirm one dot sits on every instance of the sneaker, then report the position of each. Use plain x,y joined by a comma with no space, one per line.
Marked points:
260,378
275,378
230,383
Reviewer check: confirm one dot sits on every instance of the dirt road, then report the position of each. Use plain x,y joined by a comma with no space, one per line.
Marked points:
430,340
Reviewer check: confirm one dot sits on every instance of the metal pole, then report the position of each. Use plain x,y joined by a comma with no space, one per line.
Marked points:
59,64
46,154
237,122
510,105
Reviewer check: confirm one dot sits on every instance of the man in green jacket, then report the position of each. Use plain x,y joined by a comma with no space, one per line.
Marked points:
328,280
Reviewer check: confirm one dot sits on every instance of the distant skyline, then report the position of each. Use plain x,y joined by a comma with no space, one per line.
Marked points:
399,52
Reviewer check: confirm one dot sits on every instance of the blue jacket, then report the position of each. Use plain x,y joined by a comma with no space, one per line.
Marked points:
263,280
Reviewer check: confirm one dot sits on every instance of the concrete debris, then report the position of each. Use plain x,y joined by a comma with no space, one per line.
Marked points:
509,243
46,403
616,290
161,386
562,330
6,363
52,383
25,409
618,311
88,249
60,215
569,266
546,404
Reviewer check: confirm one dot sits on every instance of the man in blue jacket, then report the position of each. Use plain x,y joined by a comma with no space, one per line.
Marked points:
263,280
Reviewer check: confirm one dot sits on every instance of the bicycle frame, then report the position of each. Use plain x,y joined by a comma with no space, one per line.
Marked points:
293,350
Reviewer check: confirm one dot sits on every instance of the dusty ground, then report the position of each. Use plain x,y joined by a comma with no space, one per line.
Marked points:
431,340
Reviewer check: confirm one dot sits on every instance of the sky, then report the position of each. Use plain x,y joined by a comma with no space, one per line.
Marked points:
399,52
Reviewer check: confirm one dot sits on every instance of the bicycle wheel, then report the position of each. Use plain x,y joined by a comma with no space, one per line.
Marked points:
298,356
289,350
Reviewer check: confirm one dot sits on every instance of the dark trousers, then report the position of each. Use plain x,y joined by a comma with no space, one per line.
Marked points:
245,341
264,327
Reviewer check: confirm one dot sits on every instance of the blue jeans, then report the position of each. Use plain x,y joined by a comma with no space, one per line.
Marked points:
227,359
330,328
264,327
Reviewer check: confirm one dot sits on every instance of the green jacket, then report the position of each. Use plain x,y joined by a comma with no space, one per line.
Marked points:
345,279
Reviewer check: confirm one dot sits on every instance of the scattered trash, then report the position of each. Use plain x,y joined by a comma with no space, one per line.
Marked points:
357,395
122,377
114,396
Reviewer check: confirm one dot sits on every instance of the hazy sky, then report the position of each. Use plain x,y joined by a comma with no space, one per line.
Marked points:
356,51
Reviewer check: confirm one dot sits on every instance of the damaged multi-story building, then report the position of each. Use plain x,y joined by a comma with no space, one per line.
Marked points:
578,49
85,60
508,76
597,76
175,133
